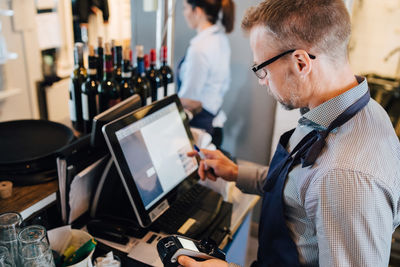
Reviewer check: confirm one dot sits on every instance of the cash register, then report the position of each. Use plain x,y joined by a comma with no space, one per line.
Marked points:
151,183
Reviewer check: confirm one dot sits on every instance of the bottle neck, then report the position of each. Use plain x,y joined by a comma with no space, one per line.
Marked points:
117,56
108,66
140,66
92,71
100,52
78,59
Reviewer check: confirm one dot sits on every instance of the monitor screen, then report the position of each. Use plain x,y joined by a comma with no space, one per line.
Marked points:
155,149
149,147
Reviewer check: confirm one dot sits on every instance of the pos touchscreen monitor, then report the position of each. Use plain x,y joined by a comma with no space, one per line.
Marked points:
149,147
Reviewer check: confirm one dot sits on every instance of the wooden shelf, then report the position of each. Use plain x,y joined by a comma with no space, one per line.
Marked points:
8,93
29,199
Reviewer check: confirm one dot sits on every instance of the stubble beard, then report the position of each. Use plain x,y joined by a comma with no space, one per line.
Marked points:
286,104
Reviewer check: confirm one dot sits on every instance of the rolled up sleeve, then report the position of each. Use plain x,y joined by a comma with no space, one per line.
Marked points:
251,178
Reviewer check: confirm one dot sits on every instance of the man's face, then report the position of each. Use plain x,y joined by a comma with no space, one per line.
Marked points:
281,81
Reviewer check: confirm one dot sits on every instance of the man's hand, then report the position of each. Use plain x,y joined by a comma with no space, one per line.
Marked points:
189,262
223,167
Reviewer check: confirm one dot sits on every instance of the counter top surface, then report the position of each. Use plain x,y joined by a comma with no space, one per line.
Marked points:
24,198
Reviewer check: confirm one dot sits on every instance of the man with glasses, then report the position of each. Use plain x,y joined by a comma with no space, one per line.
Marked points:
331,193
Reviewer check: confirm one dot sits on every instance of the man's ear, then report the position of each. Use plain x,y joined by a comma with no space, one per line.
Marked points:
302,62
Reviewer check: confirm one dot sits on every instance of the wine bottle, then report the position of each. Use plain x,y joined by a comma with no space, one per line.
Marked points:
78,77
155,78
134,66
89,92
167,74
108,90
126,87
141,84
117,63
127,45
100,59
113,42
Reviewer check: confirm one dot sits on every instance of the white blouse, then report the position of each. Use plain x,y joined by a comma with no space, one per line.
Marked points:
205,72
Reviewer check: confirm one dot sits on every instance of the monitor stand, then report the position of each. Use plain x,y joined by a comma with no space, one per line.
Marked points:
111,199
110,202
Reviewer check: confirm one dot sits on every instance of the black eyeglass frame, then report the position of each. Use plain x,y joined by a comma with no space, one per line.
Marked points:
271,60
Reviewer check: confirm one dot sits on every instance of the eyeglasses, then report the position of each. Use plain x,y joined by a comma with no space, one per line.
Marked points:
259,70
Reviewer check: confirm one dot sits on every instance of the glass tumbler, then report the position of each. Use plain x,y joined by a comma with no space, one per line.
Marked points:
34,247
9,227
5,258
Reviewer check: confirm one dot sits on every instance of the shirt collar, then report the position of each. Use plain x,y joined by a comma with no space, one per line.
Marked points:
321,116
204,33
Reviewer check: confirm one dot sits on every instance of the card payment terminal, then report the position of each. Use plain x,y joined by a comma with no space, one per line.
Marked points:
171,247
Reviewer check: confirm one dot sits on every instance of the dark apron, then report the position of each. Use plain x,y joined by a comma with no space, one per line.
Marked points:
276,247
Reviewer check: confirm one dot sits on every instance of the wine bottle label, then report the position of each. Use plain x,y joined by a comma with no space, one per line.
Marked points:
92,71
160,92
72,110
126,75
170,89
148,100
85,107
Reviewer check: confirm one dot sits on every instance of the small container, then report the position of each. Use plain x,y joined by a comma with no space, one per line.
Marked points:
70,237
10,223
34,247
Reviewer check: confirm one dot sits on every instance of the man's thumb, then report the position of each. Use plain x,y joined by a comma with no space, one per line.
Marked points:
186,261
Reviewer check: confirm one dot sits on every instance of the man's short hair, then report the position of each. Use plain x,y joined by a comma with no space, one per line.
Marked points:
321,25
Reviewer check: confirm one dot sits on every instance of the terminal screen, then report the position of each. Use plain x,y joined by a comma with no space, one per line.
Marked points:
188,244
155,149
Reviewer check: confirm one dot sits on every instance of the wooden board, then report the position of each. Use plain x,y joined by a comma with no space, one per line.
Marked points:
24,197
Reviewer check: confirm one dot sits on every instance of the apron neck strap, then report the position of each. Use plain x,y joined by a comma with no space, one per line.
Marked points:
350,112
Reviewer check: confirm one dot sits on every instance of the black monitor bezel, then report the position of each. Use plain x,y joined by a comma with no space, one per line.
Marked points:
123,108
109,131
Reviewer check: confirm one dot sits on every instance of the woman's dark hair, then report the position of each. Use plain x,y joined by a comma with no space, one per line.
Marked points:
212,9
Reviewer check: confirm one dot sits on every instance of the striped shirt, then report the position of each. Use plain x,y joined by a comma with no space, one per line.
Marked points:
343,210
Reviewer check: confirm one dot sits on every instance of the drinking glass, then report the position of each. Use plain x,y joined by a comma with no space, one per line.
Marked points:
5,258
9,227
34,247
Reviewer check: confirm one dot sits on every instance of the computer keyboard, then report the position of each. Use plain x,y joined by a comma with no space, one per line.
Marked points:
191,213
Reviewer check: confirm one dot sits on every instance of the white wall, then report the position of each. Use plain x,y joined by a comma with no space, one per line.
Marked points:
143,26
22,73
375,32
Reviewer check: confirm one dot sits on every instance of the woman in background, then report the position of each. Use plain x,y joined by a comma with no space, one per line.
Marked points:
204,73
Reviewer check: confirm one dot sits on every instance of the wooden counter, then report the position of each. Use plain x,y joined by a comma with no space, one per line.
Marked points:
29,199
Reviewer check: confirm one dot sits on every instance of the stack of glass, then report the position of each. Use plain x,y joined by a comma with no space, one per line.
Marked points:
28,246
9,228
34,247
5,258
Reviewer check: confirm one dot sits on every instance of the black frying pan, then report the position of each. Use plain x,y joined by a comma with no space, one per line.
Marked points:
30,146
